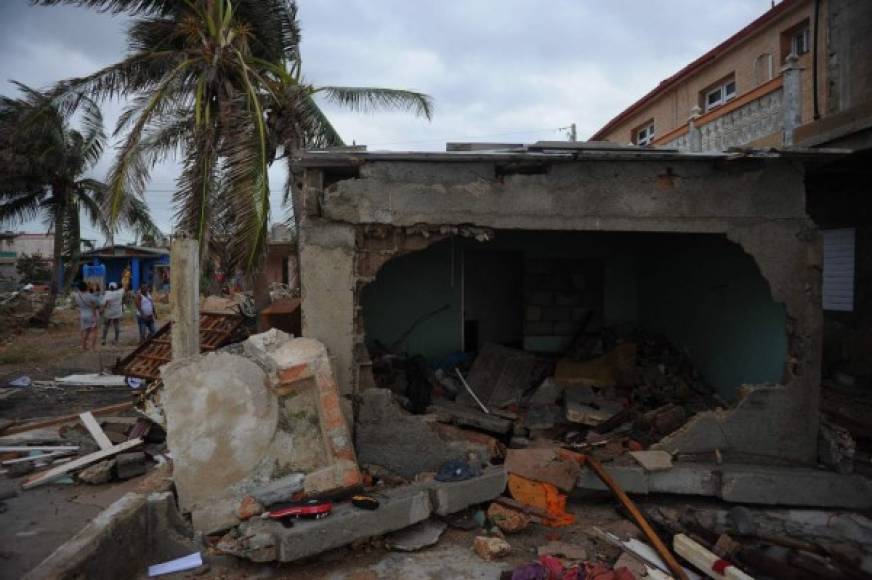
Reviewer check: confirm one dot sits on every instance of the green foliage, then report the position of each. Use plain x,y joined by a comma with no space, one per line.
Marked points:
33,268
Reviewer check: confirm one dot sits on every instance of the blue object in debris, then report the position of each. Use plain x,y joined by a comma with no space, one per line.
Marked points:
457,470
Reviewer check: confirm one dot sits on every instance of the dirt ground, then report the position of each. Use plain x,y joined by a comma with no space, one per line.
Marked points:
37,521
43,354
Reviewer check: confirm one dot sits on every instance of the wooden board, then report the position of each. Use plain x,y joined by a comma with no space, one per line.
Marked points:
24,448
216,330
61,470
704,560
52,421
95,430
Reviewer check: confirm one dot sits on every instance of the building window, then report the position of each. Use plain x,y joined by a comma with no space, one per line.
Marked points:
719,94
796,40
644,135
838,277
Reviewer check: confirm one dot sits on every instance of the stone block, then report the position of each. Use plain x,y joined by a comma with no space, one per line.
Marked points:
262,540
543,465
448,497
128,465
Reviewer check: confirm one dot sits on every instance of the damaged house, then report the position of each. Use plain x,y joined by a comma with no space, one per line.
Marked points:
533,248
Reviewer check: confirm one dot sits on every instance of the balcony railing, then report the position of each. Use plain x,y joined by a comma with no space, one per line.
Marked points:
771,108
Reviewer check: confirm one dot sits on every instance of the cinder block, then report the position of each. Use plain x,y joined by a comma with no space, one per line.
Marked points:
454,496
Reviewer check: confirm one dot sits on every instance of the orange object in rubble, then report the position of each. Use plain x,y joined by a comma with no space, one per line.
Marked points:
544,496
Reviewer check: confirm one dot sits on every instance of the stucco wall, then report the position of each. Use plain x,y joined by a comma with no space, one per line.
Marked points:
672,108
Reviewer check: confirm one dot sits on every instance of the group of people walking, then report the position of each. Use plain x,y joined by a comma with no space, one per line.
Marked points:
109,306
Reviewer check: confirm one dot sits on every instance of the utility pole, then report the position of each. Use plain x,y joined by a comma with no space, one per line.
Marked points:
573,136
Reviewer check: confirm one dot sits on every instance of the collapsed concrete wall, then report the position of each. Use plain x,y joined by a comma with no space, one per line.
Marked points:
415,199
240,424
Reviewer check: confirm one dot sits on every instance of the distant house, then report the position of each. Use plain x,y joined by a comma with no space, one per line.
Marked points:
147,265
13,245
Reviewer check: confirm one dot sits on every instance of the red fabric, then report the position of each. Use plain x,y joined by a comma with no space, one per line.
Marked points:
720,566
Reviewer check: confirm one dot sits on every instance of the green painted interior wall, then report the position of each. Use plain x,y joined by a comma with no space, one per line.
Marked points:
701,291
409,287
706,295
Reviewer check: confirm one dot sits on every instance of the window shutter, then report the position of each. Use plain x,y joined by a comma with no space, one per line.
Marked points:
838,282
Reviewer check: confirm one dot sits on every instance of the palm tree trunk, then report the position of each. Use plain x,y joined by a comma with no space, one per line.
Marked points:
43,317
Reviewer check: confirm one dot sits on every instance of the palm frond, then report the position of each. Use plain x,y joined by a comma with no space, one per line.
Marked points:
368,99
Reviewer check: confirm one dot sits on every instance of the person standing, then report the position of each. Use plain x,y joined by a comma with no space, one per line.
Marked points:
111,304
145,313
89,306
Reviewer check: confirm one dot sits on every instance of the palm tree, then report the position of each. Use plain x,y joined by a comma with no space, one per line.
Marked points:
43,167
220,84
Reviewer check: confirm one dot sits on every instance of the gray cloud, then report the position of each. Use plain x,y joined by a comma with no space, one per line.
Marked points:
507,70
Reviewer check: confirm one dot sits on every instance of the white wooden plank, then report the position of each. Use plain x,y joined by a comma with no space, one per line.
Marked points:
61,470
704,560
95,430
37,457
26,448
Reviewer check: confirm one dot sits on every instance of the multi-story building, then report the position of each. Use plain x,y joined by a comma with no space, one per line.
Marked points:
795,74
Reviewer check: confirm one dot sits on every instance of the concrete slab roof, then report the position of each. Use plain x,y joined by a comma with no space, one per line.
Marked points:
558,152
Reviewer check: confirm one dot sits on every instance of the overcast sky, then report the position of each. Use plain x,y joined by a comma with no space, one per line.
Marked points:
499,70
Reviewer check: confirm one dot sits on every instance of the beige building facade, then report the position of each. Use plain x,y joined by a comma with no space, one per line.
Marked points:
737,86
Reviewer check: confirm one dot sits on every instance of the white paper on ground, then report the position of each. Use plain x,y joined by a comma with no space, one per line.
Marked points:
178,565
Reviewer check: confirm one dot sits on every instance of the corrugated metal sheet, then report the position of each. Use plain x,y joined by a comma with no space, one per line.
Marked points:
838,281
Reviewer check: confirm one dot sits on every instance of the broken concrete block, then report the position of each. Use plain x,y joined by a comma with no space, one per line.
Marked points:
507,519
414,538
259,346
755,426
97,473
263,540
405,444
836,447
449,497
594,413
489,548
233,427
653,460
281,489
128,465
543,465
548,393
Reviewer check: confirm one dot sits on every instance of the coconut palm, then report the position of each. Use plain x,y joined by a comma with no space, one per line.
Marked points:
218,83
44,163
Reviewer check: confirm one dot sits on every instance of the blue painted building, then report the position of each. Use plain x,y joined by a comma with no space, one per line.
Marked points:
147,265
